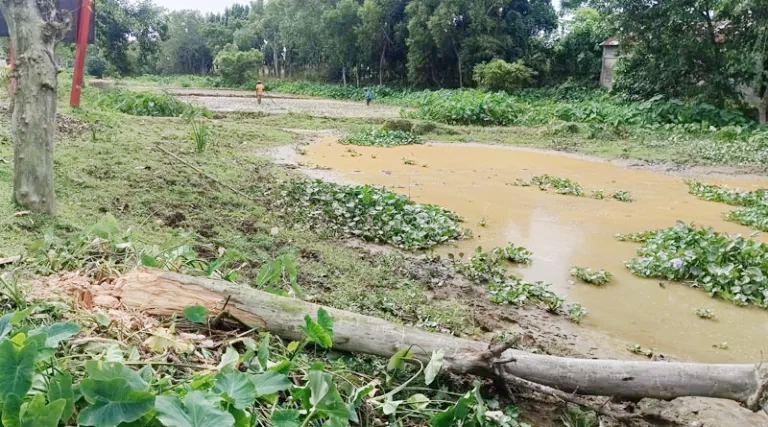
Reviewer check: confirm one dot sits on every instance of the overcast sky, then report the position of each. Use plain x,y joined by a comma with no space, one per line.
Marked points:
201,5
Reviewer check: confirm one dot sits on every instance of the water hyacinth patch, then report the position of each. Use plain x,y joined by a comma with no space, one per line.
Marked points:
587,275
371,213
382,138
754,212
732,268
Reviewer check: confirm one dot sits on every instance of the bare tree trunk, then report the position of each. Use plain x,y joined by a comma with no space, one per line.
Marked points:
35,27
344,75
276,58
163,293
762,106
381,65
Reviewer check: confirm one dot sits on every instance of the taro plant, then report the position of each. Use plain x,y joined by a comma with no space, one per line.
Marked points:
369,212
587,275
732,268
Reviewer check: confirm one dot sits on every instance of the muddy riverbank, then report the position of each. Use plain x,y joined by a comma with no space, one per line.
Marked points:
566,231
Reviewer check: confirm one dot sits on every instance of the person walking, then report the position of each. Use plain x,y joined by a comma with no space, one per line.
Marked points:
368,97
259,91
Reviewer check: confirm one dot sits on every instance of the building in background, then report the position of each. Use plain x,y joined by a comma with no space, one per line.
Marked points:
610,56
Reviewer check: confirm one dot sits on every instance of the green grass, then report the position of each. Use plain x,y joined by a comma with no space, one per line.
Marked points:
382,138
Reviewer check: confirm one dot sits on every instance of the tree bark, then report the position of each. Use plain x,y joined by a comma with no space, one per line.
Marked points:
762,105
164,293
344,75
35,26
276,59
381,65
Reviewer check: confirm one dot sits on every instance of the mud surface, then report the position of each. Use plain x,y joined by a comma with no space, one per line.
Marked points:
566,231
243,101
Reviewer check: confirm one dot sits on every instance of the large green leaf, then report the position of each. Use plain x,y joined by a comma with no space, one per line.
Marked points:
434,366
59,332
196,314
230,359
195,411
397,360
113,402
16,368
60,387
6,325
105,371
317,334
34,413
286,418
270,382
238,387
325,320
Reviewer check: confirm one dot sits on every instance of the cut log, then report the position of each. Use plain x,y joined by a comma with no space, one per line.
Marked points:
166,293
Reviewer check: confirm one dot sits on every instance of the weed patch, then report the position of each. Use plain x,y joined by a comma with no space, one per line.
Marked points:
370,213
155,104
382,138
732,268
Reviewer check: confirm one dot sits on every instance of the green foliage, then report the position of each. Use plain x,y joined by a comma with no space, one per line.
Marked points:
153,104
371,213
194,411
488,268
96,67
200,132
717,193
382,138
622,196
731,268
196,314
563,186
502,75
755,211
576,313
587,275
238,67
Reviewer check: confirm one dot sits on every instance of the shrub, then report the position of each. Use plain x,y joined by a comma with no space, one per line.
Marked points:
501,75
235,66
96,67
398,125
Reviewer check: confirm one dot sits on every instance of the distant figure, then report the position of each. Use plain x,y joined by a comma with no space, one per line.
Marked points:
368,97
259,91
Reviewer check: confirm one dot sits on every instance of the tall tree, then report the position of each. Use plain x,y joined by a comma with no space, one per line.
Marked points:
340,22
35,27
676,48
381,36
185,51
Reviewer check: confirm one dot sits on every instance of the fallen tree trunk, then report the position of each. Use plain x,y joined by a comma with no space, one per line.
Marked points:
165,293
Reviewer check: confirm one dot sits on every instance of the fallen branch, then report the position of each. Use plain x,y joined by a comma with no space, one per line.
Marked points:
202,172
165,293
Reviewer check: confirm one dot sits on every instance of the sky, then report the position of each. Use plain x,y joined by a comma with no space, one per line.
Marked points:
201,5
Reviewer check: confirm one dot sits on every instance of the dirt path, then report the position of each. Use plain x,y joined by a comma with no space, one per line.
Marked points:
245,101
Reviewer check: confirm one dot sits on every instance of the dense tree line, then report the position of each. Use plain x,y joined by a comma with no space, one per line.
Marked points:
713,50
421,42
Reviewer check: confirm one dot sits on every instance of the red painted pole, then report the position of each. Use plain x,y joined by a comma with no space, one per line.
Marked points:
83,29
12,61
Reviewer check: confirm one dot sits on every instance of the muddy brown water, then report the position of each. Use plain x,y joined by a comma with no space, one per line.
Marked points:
565,231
